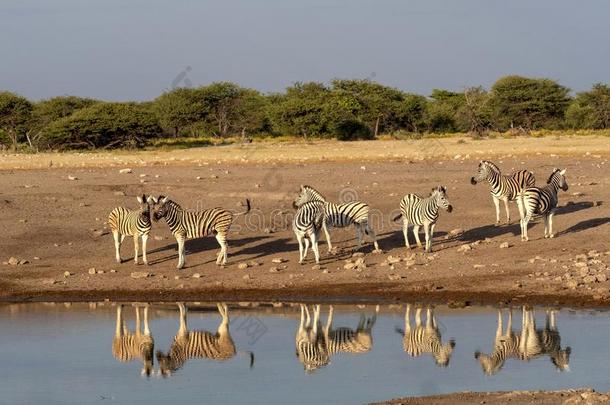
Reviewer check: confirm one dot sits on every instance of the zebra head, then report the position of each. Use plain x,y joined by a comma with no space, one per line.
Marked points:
490,364
485,168
440,195
145,203
165,364
161,207
443,356
558,179
307,194
561,359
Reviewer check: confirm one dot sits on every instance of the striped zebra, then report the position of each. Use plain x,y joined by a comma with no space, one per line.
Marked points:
306,225
125,222
196,224
340,215
507,345
198,344
543,201
543,342
423,211
503,187
347,340
127,346
425,338
310,344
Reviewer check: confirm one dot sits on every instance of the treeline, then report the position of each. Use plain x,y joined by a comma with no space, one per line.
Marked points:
345,109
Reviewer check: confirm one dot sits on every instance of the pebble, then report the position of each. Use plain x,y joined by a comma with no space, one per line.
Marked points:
464,248
602,278
48,281
277,260
158,237
67,274
119,193
392,259
589,279
350,266
140,274
316,267
196,275
247,277
91,270
242,265
13,261
125,171
504,245
478,266
456,231
273,270
72,178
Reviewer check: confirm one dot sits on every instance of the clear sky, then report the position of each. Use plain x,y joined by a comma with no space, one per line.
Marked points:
135,49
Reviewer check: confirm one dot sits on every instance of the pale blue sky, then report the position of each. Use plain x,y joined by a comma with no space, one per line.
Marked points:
134,49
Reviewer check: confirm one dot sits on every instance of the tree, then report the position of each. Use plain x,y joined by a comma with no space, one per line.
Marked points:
15,111
177,109
590,109
441,114
249,114
104,125
411,112
474,113
517,101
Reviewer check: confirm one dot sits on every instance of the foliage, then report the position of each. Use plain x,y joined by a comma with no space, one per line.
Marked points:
15,112
177,110
590,109
351,130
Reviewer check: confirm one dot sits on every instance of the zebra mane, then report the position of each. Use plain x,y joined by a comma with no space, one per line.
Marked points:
555,170
171,203
313,191
491,165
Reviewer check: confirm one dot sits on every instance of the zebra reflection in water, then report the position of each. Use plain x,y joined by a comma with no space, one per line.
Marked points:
311,347
198,344
128,346
425,338
347,340
529,343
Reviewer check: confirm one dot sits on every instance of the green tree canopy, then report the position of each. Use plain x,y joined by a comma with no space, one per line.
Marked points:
15,113
590,109
177,109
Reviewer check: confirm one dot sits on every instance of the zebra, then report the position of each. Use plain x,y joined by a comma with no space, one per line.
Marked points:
127,346
310,344
425,339
543,200
507,344
340,215
503,187
306,225
125,222
196,224
423,211
346,339
199,344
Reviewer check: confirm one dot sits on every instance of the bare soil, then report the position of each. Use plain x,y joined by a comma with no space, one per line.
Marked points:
58,225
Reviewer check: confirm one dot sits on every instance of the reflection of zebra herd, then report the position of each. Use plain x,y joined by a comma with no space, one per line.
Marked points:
314,213
316,344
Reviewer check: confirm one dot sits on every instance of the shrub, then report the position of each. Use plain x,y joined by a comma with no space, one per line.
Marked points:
351,130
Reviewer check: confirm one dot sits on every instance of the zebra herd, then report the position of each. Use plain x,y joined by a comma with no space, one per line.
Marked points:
314,214
316,344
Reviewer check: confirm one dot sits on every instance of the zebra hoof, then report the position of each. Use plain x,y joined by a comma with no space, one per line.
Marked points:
552,235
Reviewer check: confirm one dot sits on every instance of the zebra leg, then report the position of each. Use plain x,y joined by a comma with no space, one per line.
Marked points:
525,221
138,322
371,233
300,240
314,246
408,319
327,235
551,234
505,199
181,259
359,235
144,240
545,217
306,247
183,329
416,233
418,317
146,328
221,258
405,231
427,234
119,321
135,248
499,329
329,321
497,205
117,245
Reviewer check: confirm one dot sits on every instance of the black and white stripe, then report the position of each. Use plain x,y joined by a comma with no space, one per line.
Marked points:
543,201
125,222
198,344
128,346
507,345
503,187
423,212
306,225
310,344
196,224
347,340
340,215
425,338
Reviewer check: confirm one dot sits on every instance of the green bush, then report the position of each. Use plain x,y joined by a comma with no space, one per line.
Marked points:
352,130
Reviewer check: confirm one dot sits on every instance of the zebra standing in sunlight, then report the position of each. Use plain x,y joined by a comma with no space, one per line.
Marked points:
125,222
507,344
198,344
340,215
423,211
543,201
504,187
310,344
346,339
196,224
127,346
425,338
306,225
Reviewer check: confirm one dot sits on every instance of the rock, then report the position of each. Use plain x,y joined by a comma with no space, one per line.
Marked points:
478,266
36,258
113,271
464,248
572,284
589,279
273,269
67,274
242,266
119,193
357,254
140,274
48,281
196,275
583,271
316,267
350,266
177,277
91,270
13,261
601,278
72,178
394,277
247,277
254,263
580,264
158,237
125,171
456,232
325,271
392,259
277,260
504,245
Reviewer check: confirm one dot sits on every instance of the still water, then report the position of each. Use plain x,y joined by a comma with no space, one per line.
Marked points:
290,354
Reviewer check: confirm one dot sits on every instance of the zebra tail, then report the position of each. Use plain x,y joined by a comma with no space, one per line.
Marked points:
397,217
250,354
248,207
399,331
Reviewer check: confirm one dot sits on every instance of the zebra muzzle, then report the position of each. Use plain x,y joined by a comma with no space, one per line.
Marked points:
450,208
473,181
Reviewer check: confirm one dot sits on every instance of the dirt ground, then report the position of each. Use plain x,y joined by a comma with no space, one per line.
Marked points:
56,227
566,397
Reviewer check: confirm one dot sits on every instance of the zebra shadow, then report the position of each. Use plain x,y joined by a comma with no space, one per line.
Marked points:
274,246
577,206
395,239
586,224
487,231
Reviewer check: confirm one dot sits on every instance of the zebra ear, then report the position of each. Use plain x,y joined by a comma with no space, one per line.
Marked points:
563,172
164,199
302,187
151,200
140,199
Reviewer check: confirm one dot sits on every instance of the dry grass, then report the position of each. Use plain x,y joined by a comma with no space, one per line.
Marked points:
286,150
